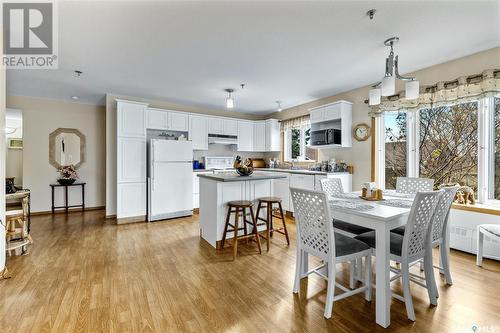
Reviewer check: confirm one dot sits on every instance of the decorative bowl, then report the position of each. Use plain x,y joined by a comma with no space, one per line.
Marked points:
66,181
244,171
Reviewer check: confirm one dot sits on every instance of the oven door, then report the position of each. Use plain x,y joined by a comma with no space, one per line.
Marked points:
319,138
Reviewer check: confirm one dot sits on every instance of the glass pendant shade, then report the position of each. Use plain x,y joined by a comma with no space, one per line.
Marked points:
229,102
412,89
375,96
388,86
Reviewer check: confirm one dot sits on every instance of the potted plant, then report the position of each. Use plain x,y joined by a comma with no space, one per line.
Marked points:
68,175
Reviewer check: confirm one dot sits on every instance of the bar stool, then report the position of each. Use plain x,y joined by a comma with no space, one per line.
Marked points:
267,202
240,207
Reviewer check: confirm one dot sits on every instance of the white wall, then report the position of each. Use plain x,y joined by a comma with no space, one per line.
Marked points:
2,157
40,118
14,158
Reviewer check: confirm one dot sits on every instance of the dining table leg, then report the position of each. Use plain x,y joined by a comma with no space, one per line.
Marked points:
383,290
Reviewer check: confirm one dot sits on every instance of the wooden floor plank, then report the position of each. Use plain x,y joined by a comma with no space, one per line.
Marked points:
87,274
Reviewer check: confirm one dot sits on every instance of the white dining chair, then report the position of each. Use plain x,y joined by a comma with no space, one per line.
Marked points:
412,185
490,230
439,232
332,187
414,246
315,236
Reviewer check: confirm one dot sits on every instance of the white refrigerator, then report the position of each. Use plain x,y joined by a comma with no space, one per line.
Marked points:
170,179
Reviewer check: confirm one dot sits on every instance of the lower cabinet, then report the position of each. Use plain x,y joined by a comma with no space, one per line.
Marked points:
131,200
281,189
196,188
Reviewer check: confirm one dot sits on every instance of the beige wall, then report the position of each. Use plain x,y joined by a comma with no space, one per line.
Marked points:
3,88
360,153
111,135
40,118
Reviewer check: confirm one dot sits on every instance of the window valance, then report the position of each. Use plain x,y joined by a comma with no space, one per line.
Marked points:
295,123
463,89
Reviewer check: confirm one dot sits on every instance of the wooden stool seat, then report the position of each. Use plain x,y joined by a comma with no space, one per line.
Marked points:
269,199
240,204
267,203
237,207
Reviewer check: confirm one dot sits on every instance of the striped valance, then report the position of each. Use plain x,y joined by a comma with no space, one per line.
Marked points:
298,122
463,89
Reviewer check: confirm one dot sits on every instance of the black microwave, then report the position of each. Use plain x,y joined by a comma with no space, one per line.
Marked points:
324,137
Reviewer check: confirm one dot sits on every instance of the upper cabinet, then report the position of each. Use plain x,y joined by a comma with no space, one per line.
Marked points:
131,119
337,116
245,135
230,127
198,132
167,120
273,135
222,126
259,136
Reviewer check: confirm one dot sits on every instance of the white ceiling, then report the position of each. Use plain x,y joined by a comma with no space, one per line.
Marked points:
295,51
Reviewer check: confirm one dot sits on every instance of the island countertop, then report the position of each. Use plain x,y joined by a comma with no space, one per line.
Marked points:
234,177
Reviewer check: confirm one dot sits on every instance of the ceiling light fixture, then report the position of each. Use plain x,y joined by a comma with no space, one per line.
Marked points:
279,106
75,98
371,13
229,99
387,87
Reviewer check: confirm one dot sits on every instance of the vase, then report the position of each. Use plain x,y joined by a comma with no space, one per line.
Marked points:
66,181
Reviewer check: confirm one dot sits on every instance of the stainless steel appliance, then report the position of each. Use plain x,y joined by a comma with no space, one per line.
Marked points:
330,136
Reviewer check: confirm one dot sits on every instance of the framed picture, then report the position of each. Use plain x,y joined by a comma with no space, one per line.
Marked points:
15,143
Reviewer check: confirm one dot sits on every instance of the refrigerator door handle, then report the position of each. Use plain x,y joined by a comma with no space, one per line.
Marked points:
152,165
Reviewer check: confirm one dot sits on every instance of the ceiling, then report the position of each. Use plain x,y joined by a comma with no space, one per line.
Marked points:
188,52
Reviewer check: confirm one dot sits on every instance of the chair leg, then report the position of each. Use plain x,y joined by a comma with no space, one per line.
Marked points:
235,237
284,223
368,278
244,219
298,270
256,232
405,275
352,267
480,240
330,293
430,280
228,217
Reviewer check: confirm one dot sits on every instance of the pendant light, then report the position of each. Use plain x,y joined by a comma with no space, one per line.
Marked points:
229,99
279,109
387,87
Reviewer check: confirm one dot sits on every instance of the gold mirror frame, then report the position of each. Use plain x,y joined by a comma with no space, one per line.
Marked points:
52,146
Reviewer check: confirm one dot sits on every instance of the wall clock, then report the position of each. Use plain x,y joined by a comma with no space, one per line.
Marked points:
361,132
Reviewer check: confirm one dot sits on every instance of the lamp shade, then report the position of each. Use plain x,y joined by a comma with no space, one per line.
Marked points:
374,96
388,86
412,89
229,102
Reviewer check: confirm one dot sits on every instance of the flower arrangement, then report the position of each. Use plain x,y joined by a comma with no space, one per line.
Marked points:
68,174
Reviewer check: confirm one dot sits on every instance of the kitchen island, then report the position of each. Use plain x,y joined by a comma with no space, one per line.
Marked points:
218,189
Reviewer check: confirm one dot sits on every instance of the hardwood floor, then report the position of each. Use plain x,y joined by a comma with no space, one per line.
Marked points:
86,274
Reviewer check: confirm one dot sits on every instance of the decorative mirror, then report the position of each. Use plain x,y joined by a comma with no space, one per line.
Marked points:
66,147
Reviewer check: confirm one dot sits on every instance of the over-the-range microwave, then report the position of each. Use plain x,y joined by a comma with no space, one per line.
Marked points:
330,136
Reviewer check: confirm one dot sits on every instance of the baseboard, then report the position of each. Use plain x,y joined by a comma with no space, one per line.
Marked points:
62,211
132,219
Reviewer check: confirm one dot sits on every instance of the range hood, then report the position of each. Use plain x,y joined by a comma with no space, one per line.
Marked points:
222,139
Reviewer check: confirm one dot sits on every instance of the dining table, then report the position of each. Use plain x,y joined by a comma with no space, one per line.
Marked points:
381,216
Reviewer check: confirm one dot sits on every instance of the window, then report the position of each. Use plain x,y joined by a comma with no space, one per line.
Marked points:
496,149
395,147
448,144
456,143
297,141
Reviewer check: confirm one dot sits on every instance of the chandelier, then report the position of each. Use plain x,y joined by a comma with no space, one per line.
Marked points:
387,87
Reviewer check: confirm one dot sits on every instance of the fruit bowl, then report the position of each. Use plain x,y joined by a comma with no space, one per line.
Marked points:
244,171
243,168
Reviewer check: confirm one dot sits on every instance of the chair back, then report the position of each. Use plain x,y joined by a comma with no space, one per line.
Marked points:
442,212
412,185
417,234
313,222
331,186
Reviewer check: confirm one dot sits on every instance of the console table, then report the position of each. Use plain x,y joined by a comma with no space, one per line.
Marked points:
66,205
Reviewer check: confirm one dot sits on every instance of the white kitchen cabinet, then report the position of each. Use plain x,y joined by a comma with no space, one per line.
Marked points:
198,132
131,200
336,115
317,182
131,159
273,135
178,121
131,118
230,127
301,181
259,136
156,119
245,135
281,189
215,126
196,187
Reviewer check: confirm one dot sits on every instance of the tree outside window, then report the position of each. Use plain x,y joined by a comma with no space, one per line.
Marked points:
395,147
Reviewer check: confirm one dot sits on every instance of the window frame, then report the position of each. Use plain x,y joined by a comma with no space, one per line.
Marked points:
486,148
288,146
